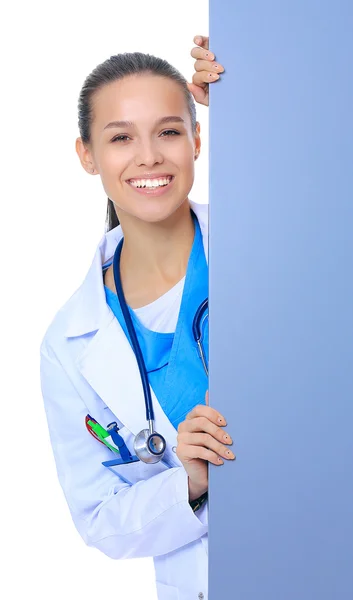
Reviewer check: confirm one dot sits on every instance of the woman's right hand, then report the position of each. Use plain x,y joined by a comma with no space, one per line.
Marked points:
201,440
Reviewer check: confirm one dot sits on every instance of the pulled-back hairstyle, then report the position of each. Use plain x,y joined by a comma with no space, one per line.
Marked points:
116,68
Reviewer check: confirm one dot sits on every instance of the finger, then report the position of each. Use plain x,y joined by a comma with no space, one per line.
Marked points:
202,77
207,399
188,453
206,65
202,424
200,53
201,40
210,413
207,441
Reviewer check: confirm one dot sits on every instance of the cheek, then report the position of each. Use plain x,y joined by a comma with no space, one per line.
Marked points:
183,156
112,161
188,164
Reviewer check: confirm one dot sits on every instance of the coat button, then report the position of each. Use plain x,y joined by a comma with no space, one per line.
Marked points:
201,596
174,450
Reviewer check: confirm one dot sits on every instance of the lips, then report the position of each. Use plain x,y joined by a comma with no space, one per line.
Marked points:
150,183
152,186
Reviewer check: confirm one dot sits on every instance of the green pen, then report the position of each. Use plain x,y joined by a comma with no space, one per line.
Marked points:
100,433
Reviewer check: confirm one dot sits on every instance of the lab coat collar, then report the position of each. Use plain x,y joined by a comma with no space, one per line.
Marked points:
90,310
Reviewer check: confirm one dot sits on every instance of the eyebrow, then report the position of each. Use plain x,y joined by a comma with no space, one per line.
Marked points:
121,124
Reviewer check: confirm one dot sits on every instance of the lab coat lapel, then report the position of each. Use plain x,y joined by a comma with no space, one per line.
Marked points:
109,365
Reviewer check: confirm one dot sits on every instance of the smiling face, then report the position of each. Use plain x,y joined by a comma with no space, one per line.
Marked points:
143,146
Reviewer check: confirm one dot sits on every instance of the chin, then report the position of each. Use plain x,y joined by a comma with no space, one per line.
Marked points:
159,213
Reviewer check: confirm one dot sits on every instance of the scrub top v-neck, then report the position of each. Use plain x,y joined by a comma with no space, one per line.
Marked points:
173,364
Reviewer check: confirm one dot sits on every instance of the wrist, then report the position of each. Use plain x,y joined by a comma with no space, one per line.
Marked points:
195,491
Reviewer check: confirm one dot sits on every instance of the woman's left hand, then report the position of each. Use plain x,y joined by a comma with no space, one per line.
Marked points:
206,70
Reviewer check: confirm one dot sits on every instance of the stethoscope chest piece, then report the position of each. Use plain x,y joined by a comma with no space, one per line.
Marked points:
149,447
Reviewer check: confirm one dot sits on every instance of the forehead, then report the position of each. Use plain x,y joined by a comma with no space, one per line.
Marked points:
139,98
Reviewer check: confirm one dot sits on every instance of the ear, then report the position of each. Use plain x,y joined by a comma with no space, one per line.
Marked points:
86,158
197,141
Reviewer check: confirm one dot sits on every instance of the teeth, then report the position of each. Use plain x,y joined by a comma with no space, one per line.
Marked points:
150,183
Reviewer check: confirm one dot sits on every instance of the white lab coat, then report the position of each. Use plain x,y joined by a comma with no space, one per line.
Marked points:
88,366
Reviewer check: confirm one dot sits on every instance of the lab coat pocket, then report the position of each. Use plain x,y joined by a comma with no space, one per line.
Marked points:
167,592
137,471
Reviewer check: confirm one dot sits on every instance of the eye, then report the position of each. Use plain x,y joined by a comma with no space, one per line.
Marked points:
170,133
120,138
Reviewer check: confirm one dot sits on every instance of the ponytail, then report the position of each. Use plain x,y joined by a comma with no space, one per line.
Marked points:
111,219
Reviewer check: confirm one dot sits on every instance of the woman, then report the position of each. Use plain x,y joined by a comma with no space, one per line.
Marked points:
139,133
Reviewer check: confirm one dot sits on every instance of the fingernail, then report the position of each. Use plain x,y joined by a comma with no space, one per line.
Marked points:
213,75
198,40
228,439
221,462
230,454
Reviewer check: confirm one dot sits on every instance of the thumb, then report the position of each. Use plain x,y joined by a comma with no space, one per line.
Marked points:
198,92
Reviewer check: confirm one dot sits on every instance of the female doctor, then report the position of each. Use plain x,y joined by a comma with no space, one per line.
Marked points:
133,317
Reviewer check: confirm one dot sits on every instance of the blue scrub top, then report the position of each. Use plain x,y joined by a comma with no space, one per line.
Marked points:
172,360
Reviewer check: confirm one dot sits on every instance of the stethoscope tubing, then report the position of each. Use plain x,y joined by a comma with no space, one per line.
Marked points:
149,445
196,330
132,334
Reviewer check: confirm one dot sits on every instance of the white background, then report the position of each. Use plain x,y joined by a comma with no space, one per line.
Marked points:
51,219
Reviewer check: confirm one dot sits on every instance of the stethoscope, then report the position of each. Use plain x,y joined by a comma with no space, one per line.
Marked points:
149,445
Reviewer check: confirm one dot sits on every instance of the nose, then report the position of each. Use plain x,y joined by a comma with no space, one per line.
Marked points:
148,154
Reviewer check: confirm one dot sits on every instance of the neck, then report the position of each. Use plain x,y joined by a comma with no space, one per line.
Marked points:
155,254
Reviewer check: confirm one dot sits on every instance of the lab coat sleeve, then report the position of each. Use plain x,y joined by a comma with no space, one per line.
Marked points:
150,518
